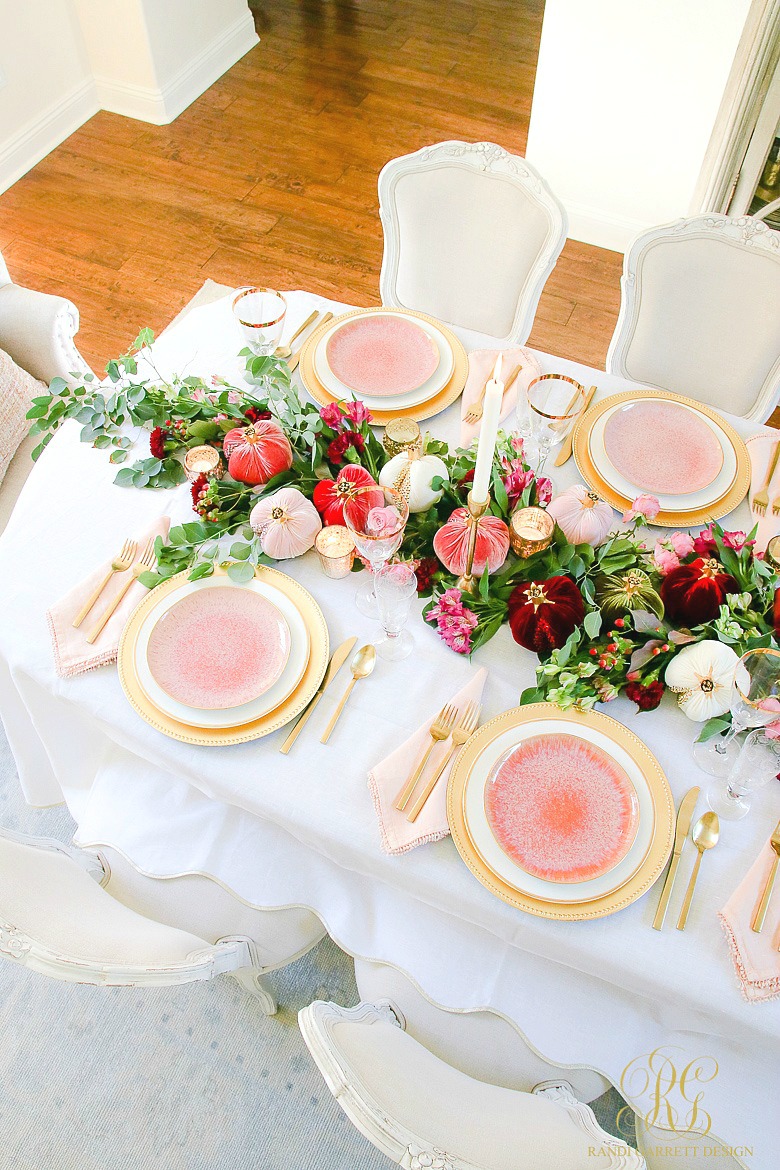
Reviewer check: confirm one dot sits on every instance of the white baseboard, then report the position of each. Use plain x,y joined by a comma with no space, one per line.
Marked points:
34,141
592,226
161,106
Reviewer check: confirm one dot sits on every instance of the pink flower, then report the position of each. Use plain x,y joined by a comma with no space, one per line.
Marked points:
704,544
682,543
517,445
454,621
450,602
234,397
736,540
516,480
664,559
331,415
357,412
381,521
645,505
198,394
773,730
544,490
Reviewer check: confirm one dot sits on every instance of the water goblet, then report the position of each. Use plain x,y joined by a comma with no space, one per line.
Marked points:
554,404
376,516
395,585
755,702
260,316
756,763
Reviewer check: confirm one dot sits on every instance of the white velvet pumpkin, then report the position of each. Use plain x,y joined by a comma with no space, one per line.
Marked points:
702,674
412,475
286,522
581,516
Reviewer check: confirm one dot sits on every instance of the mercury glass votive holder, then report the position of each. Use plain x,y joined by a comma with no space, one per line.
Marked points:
202,461
530,531
336,550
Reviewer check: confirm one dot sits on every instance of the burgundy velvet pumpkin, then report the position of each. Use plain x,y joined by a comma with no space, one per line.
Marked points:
694,593
542,614
257,453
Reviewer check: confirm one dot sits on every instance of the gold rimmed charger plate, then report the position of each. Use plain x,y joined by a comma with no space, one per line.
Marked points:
287,710
433,405
733,496
648,871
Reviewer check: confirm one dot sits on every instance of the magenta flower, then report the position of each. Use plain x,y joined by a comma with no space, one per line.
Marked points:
515,480
736,540
454,621
682,543
544,490
331,415
644,505
357,413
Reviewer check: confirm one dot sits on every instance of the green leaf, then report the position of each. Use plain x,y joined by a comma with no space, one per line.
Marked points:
202,569
150,580
102,441
592,623
240,551
712,728
124,477
241,572
38,411
58,385
484,584
531,695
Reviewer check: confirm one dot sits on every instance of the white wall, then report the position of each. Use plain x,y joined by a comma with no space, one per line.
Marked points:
625,100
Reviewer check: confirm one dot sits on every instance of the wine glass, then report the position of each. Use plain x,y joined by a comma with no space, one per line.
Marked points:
376,516
757,762
395,586
554,403
754,703
260,316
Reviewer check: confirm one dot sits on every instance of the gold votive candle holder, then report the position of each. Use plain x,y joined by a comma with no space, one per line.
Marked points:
772,553
402,434
202,461
336,550
530,531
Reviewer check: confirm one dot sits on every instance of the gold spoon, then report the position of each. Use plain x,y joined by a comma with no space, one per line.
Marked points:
361,666
285,351
705,835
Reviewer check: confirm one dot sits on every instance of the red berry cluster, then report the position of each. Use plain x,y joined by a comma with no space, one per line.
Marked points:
204,498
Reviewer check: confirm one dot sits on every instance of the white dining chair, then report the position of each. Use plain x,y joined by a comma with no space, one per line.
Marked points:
55,918
37,330
423,1113
471,234
699,313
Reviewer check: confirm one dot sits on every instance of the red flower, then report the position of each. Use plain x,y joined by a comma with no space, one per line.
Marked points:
357,441
425,570
157,442
704,544
254,415
542,614
337,448
647,696
199,485
694,593
331,495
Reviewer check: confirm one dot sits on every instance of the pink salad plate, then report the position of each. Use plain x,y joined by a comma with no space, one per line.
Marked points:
561,808
380,356
219,648
663,447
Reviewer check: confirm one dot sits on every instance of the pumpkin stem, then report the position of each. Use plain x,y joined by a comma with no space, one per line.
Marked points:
536,595
591,499
710,567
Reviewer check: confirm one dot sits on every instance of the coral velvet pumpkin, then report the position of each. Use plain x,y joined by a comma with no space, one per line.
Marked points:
451,543
581,516
286,522
258,452
542,614
694,593
330,495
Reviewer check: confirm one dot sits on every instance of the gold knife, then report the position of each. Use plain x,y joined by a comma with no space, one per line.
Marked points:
565,451
684,818
337,660
296,357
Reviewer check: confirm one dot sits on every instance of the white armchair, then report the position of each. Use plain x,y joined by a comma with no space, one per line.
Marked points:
38,329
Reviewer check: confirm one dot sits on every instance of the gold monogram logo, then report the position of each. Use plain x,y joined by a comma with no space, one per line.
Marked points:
671,1095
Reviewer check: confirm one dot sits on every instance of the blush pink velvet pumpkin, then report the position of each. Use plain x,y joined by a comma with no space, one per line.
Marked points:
451,543
581,516
286,522
257,453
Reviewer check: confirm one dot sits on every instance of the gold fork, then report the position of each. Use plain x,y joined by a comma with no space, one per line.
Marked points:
439,730
147,561
119,565
760,500
461,732
474,413
760,912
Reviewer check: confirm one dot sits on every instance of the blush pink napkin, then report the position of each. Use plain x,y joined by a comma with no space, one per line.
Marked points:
72,652
481,363
388,777
756,957
760,451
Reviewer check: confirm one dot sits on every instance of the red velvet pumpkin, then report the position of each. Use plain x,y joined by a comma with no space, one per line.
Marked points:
330,495
694,593
451,543
542,614
257,453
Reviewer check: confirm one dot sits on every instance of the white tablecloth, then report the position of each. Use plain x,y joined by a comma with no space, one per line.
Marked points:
300,829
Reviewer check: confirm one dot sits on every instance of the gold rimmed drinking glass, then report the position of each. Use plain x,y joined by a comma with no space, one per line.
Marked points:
554,402
260,315
376,516
755,702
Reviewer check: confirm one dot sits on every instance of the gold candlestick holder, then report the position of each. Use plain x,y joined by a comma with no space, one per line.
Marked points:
468,583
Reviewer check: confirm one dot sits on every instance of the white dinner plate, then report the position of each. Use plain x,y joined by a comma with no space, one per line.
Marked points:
437,381
232,716
677,503
486,845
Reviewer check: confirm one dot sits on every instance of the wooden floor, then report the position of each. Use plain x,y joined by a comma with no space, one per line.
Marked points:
271,175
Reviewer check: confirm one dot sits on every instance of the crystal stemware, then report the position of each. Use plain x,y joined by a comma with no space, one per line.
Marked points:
755,702
554,403
260,315
756,763
376,516
395,586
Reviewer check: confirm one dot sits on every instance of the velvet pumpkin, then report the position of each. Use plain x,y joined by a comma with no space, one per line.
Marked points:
451,543
330,495
694,593
258,452
542,614
412,475
286,522
581,516
623,593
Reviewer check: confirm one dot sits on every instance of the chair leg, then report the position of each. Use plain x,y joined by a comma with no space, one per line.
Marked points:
258,987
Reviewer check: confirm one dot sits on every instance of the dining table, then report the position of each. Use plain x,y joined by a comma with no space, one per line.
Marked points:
301,830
